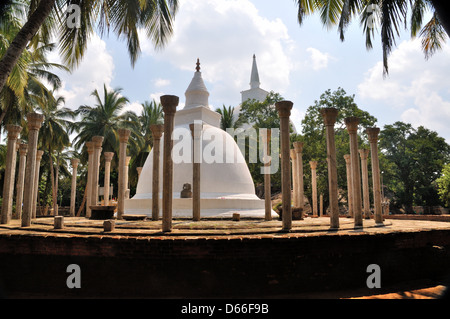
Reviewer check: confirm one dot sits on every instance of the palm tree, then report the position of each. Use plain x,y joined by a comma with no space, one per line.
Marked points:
53,135
227,120
151,114
391,14
104,119
27,75
123,17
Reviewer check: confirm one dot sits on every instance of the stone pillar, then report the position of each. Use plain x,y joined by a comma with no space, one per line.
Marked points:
139,171
157,131
352,128
108,158
373,140
294,177
73,191
169,104
298,146
10,172
58,222
196,131
313,165
36,181
97,140
127,168
267,183
348,165
34,124
124,135
284,111
364,154
321,205
90,150
329,116
23,149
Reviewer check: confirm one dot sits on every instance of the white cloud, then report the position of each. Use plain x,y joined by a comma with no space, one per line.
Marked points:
95,70
416,88
161,82
224,35
319,60
135,107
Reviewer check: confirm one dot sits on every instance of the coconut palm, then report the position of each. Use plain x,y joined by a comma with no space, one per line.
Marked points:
389,14
123,17
26,78
104,119
53,134
227,120
152,113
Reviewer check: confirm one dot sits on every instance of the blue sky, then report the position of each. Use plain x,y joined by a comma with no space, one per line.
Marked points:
300,62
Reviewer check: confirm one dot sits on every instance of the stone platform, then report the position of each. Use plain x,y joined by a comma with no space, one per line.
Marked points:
218,257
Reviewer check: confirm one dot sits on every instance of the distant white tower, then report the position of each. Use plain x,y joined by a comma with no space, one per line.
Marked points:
255,91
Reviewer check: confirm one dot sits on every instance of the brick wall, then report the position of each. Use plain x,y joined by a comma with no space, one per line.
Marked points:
119,266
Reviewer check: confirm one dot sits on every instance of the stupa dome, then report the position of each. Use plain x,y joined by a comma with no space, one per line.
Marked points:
226,185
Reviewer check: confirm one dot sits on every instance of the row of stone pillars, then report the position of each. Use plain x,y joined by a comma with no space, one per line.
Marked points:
353,170
27,181
94,149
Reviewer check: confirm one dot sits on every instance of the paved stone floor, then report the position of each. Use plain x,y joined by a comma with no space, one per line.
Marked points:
220,227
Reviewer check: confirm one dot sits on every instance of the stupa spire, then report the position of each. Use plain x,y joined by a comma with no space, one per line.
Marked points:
197,94
254,79
197,68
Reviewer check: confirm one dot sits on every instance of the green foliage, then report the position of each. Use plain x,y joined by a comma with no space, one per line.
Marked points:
314,138
388,16
418,157
227,120
260,114
105,119
443,183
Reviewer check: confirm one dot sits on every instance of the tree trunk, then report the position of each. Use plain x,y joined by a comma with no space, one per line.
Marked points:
55,191
22,38
82,204
52,177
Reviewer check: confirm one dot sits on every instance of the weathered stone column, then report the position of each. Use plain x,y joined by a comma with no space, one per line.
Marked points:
294,177
139,171
23,149
90,150
73,191
313,165
10,172
267,183
34,124
298,146
321,205
157,131
108,158
196,131
348,164
329,116
36,181
127,169
97,140
364,154
284,111
124,135
373,140
169,104
352,128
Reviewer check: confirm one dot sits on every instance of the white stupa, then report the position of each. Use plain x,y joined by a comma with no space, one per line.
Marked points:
226,185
